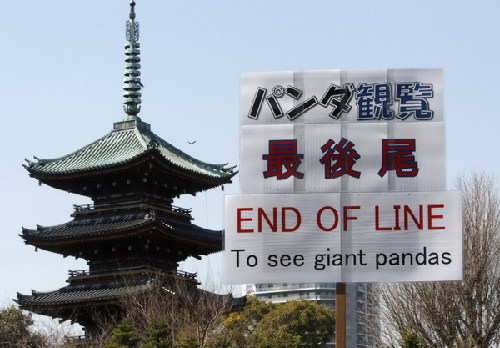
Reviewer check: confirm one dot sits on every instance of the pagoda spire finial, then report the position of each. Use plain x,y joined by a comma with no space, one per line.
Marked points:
132,82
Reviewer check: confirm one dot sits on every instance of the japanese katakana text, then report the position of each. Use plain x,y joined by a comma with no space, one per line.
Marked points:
374,101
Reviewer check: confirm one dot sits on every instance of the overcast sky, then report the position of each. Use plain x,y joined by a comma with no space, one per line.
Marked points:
62,70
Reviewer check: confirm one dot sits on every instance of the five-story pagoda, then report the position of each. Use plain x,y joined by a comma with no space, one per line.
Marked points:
132,234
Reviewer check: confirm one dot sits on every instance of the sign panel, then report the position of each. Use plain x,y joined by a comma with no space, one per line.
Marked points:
342,130
340,96
340,237
342,177
350,158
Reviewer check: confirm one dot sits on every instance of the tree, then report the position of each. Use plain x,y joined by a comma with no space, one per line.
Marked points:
123,336
158,335
175,314
15,329
265,325
411,340
457,314
238,326
293,324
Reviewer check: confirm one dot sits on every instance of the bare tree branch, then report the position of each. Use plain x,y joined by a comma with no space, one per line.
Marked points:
456,314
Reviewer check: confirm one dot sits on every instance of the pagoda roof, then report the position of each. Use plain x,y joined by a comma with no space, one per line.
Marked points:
54,302
83,231
71,295
130,140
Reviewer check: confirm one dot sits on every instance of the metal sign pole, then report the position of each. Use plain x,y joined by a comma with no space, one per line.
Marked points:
340,315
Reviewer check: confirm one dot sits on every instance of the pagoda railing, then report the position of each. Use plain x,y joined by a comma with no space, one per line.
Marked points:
117,271
134,204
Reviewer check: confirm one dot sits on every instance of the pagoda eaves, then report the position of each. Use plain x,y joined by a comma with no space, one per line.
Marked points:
129,148
81,235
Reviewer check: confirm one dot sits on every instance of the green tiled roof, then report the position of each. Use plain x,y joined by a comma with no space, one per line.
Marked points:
123,145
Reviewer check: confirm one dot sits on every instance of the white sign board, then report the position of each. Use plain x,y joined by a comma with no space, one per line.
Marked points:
262,169
321,139
340,237
387,124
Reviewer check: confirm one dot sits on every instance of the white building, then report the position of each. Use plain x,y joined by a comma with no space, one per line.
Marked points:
359,301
